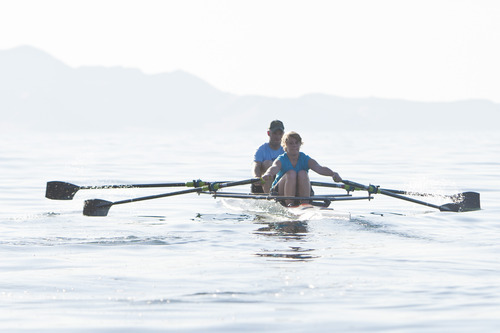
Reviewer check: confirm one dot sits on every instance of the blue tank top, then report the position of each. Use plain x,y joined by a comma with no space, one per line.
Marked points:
286,165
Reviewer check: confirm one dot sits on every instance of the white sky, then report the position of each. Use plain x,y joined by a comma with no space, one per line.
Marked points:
423,50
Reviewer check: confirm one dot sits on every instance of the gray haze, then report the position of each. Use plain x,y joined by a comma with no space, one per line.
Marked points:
38,91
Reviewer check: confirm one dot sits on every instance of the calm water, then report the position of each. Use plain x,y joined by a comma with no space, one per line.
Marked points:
190,263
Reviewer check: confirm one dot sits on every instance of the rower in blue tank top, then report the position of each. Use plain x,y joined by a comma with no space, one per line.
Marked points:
286,165
291,170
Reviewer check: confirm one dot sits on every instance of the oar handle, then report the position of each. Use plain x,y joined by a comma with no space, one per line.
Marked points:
372,189
213,187
348,188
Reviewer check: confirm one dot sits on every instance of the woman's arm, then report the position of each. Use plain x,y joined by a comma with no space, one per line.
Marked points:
324,171
272,171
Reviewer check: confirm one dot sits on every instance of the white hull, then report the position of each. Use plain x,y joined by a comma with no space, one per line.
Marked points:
302,212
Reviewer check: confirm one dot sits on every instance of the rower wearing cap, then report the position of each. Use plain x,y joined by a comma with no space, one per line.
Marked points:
267,153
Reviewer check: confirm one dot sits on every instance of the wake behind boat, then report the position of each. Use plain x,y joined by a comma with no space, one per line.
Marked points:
462,202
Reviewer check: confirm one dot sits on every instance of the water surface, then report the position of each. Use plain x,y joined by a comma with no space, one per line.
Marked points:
190,263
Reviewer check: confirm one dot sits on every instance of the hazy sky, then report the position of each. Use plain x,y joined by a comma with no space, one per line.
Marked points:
436,50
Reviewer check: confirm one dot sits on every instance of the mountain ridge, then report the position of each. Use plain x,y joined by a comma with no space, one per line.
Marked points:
38,90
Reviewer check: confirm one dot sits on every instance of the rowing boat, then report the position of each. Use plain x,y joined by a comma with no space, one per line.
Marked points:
316,204
304,211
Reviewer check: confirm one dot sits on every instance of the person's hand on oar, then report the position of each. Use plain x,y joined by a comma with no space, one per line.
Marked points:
336,177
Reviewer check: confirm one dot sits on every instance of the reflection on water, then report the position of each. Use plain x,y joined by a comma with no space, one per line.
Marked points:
295,230
222,217
287,231
294,253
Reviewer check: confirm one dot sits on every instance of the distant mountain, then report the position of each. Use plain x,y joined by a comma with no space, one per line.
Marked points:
39,91
36,88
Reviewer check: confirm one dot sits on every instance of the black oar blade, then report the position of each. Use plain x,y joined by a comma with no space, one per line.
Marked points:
450,207
467,201
96,207
60,190
463,202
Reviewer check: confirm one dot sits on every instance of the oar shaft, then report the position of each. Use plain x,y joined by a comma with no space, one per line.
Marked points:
99,207
219,185
99,187
353,188
157,196
334,185
58,190
277,197
402,197
375,189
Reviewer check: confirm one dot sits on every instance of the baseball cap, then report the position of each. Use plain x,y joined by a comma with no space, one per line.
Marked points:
276,125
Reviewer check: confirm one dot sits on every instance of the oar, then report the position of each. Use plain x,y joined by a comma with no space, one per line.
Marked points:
346,187
316,200
466,202
218,185
57,190
99,207
350,188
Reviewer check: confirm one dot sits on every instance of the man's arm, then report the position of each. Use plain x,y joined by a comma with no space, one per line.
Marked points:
257,167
